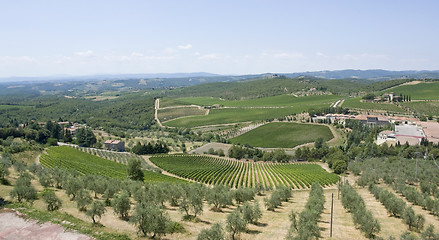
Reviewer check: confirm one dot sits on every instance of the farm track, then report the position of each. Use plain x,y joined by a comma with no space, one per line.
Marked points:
343,226
390,226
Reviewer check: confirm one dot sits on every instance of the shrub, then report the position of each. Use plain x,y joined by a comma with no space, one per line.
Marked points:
216,232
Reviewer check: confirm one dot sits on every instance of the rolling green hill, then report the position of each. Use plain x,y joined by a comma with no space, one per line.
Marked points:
420,91
283,135
274,101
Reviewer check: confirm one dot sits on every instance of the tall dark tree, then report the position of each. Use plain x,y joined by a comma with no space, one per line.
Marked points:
134,170
85,137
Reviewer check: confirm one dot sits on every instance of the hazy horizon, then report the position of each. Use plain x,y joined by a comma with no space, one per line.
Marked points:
81,38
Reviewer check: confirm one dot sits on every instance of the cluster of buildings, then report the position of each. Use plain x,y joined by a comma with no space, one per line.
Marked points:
406,130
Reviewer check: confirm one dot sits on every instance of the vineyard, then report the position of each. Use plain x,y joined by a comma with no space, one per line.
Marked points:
283,135
119,157
211,170
71,159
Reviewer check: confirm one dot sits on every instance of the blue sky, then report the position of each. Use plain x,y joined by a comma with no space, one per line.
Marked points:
42,38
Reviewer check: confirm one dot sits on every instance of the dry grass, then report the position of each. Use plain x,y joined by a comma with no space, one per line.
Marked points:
429,218
342,226
390,226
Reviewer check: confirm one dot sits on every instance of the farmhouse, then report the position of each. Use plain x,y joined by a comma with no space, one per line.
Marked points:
116,145
372,120
72,129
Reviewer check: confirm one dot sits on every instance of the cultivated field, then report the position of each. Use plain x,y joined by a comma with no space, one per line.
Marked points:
172,113
247,110
283,135
424,107
420,91
275,101
69,158
212,170
357,104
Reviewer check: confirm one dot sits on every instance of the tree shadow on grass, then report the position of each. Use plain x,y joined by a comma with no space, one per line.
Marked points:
253,231
259,224
3,202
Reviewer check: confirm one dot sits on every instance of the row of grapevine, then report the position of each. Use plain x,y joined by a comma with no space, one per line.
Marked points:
71,159
119,157
214,170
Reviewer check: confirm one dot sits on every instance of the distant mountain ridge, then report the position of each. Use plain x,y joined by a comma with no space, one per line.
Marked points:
372,74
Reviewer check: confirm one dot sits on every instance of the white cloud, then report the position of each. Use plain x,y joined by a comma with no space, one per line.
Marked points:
282,55
87,53
208,56
137,54
184,47
319,54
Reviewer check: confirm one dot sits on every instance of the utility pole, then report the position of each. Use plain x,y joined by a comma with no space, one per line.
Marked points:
332,211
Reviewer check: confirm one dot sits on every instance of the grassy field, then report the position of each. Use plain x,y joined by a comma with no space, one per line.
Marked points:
283,135
247,174
420,91
355,103
72,159
275,101
424,108
172,113
234,115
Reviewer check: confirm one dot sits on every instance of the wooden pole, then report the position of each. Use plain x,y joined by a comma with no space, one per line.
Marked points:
332,210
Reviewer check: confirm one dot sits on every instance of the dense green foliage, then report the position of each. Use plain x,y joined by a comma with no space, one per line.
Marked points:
234,173
133,111
150,148
283,135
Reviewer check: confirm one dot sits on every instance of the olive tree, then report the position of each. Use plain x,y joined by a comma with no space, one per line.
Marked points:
83,199
53,202
97,209
23,189
150,218
235,224
121,205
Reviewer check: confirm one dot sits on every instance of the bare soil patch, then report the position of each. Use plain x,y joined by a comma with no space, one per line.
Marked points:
14,226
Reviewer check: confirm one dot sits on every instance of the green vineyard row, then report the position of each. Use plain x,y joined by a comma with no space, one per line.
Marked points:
71,159
212,170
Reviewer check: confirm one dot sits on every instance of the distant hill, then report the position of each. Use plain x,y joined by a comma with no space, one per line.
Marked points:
107,77
377,74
